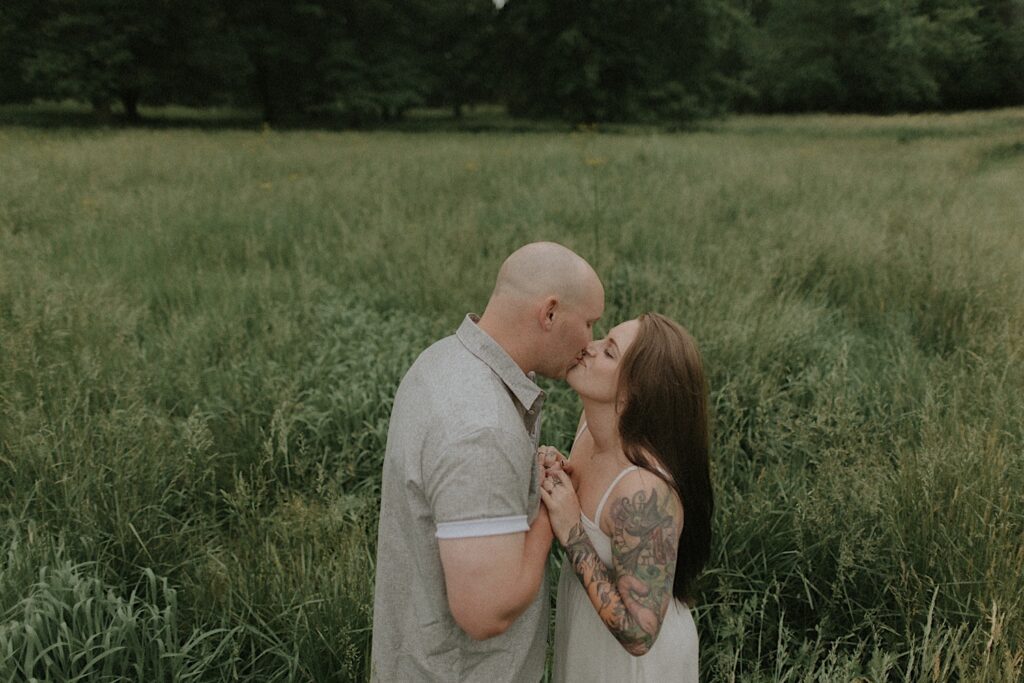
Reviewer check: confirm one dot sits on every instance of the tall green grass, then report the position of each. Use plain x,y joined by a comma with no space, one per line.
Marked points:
201,332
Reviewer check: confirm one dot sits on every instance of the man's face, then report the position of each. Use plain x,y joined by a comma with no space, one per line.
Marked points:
574,329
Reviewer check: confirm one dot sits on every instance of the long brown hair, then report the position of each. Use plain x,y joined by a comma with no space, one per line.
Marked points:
664,429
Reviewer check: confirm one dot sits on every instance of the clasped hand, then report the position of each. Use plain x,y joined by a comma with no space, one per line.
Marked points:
557,492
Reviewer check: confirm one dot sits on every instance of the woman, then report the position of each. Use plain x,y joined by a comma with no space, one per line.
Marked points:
634,511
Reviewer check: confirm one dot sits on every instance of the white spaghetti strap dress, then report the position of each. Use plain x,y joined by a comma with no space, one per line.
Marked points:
586,651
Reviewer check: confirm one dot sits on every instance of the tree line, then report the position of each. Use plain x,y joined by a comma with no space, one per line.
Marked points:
579,60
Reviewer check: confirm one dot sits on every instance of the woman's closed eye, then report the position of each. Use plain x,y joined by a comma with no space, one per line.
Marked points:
610,344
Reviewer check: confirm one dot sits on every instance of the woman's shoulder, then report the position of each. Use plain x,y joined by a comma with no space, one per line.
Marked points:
642,481
641,494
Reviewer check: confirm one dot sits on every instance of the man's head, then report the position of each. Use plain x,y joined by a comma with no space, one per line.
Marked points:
543,307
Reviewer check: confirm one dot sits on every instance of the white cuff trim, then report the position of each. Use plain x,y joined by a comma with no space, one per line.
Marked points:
483,527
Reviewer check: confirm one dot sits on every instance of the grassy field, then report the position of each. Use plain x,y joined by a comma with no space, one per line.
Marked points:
201,330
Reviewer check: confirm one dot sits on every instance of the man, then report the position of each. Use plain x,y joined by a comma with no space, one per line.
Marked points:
463,541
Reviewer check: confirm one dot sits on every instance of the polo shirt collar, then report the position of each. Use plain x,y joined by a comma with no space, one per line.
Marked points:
481,345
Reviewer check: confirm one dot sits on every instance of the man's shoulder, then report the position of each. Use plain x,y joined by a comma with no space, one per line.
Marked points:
436,358
451,371
459,390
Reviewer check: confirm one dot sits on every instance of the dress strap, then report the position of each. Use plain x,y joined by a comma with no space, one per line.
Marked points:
581,430
604,498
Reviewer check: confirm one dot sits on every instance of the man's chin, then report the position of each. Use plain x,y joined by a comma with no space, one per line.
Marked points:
561,374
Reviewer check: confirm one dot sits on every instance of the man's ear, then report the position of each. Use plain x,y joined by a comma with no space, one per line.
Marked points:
547,313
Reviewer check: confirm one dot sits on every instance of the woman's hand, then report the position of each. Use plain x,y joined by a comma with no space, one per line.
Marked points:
560,499
549,457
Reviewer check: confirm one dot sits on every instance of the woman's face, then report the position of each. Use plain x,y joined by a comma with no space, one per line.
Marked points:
596,376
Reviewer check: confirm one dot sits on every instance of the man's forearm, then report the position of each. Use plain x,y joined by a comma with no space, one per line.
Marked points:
536,547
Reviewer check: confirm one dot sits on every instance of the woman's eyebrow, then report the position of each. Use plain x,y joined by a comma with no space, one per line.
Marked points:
612,340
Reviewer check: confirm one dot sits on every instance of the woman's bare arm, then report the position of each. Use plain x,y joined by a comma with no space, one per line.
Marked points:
633,596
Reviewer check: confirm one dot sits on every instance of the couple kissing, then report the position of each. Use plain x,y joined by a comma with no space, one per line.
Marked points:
471,504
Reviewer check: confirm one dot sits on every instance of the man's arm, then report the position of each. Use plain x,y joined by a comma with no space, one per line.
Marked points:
491,580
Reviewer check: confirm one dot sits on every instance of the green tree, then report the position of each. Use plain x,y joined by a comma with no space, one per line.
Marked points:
1001,27
614,59
356,57
796,55
281,42
83,53
377,66
866,55
887,55
459,46
957,50
884,61
18,19
106,51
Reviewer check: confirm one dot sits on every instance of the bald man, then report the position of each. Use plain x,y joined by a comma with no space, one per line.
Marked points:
463,540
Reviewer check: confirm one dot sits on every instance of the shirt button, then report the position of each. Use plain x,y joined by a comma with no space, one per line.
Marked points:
531,411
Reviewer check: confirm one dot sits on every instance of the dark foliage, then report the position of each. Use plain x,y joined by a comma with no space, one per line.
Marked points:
361,61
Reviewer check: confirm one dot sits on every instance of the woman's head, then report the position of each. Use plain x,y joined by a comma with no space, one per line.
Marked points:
651,369
596,375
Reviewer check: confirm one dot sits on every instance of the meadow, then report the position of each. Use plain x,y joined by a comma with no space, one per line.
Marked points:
201,329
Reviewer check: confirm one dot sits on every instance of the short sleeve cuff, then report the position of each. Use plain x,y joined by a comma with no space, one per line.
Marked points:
494,526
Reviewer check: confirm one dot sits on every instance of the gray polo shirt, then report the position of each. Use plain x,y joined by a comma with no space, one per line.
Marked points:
459,463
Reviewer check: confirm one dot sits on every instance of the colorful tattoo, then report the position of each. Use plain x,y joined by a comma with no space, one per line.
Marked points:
632,597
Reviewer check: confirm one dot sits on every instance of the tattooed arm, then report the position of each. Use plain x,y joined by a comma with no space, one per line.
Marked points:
633,595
